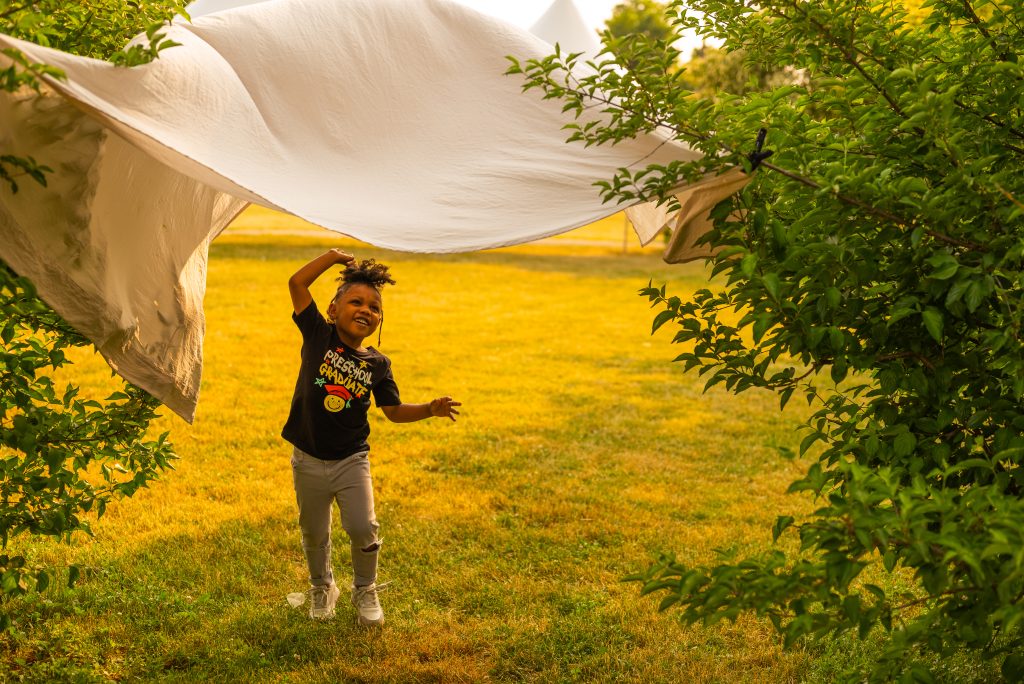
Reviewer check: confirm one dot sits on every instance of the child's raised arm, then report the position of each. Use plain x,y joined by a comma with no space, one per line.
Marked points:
298,284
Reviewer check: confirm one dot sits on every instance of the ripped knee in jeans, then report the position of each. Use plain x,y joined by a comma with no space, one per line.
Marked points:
372,548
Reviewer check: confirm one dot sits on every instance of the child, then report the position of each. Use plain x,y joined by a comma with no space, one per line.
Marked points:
327,424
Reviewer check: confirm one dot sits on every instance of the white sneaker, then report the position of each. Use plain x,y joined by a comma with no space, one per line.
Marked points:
367,605
322,600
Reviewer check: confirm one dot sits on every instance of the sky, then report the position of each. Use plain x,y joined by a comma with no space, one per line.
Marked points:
522,13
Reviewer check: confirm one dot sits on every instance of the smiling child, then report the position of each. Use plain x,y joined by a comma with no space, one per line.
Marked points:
328,426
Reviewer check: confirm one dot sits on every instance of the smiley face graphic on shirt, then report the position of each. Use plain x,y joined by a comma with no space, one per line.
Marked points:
337,398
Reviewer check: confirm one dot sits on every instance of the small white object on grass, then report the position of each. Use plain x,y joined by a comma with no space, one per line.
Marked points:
296,598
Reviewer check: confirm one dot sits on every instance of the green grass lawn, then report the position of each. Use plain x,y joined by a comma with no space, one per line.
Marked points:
581,453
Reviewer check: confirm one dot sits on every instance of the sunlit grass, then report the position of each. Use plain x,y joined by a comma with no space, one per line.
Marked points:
581,452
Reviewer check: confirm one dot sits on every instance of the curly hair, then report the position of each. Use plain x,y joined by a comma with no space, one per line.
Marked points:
365,272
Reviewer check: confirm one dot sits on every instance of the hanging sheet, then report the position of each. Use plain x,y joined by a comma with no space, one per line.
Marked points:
387,120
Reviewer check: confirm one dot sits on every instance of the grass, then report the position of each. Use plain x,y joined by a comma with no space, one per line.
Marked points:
581,452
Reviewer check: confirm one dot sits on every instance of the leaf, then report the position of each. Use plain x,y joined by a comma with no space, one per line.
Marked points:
920,674
761,324
889,559
784,396
833,297
748,265
661,319
946,270
974,296
42,580
838,370
1012,667
781,523
968,464
901,74
904,444
809,440
932,318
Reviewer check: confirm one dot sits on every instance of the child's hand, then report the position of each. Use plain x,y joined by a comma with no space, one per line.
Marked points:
444,407
342,257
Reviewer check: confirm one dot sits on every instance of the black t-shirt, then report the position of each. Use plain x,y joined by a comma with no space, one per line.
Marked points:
332,394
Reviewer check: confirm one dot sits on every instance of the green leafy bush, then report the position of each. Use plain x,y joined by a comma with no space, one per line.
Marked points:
875,263
63,457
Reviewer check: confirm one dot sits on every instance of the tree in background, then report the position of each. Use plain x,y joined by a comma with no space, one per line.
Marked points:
648,17
63,457
639,33
874,267
713,71
646,26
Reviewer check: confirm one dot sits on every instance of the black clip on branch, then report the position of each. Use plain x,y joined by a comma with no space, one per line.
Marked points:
757,156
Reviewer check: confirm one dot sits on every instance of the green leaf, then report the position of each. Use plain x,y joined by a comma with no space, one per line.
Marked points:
761,324
42,580
833,297
1012,667
904,444
781,523
748,264
932,318
974,296
968,464
946,270
661,319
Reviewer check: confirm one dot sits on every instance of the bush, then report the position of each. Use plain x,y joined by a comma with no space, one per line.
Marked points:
877,265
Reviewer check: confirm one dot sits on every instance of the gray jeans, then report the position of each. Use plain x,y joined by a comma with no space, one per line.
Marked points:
318,484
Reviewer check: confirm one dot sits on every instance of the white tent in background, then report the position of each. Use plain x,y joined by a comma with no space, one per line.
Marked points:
562,23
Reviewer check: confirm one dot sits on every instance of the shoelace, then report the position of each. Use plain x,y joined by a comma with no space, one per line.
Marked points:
363,592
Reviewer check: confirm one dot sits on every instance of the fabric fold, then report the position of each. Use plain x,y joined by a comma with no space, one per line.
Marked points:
690,220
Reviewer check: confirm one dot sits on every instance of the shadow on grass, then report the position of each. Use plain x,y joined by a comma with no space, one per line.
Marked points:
192,607
212,608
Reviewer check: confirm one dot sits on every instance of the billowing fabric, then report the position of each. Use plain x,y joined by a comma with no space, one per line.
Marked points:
387,120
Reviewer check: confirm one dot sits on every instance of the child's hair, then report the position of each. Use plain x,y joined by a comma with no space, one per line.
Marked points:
365,272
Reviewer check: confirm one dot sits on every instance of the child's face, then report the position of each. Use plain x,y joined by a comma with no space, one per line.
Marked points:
357,313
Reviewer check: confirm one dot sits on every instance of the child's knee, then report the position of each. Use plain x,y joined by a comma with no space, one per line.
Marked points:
316,539
364,536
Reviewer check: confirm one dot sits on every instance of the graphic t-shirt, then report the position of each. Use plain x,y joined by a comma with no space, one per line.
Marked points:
332,395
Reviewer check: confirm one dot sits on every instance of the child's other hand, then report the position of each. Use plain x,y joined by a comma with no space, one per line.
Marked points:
444,407
342,256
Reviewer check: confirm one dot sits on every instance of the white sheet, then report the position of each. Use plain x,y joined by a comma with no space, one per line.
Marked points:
387,120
